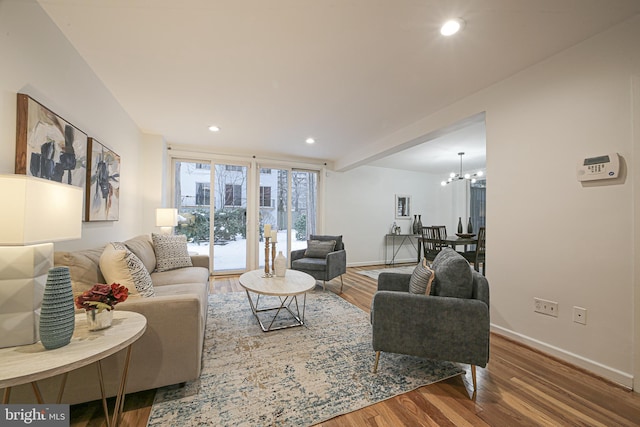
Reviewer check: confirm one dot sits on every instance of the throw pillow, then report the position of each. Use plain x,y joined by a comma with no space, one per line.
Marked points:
171,251
119,265
319,249
421,279
453,275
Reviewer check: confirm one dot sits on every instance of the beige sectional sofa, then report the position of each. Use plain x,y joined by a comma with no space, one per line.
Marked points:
169,352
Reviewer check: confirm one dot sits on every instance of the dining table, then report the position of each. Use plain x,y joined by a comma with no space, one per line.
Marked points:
454,241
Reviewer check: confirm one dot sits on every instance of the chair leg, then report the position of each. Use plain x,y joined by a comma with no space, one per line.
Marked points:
473,378
341,283
375,364
323,283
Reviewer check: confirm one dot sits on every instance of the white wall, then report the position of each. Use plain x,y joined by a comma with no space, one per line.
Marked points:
548,235
360,206
39,61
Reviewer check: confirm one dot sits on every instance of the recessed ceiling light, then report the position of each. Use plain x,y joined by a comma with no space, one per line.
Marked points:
451,27
310,141
214,128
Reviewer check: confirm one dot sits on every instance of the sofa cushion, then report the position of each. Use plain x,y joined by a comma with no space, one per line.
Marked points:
453,275
319,249
120,265
181,275
171,251
142,247
83,267
421,279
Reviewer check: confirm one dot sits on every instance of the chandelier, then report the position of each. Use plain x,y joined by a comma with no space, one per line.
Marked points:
459,176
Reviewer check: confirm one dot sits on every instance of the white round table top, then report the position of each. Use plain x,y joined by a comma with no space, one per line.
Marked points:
27,363
293,283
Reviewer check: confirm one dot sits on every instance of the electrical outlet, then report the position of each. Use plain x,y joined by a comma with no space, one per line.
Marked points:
544,306
580,315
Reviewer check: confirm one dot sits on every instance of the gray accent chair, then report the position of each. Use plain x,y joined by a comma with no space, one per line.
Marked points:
334,265
429,326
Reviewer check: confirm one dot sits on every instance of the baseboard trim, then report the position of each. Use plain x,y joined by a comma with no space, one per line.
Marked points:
622,378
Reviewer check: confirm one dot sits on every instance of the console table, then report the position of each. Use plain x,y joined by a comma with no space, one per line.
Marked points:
31,363
404,239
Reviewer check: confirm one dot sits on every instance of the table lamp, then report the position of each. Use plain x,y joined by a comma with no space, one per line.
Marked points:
166,219
37,213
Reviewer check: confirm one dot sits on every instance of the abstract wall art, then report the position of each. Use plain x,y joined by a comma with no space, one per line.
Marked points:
103,183
47,146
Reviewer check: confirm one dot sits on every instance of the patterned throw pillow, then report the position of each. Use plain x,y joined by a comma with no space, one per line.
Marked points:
319,249
119,265
171,251
421,279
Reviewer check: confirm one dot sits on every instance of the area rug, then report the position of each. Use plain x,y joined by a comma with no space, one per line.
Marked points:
407,269
292,377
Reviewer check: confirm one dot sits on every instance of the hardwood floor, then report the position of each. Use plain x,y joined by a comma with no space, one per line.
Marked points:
519,387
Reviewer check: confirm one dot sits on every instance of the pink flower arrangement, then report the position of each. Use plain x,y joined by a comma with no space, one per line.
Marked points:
102,297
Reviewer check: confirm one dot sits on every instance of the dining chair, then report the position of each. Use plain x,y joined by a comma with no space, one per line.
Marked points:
443,230
477,256
432,242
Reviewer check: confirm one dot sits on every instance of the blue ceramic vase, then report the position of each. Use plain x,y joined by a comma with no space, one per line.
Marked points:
57,317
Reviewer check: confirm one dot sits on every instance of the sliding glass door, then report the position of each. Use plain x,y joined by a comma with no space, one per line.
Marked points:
217,200
198,193
288,200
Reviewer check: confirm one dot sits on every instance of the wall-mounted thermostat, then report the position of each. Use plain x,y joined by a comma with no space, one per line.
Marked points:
600,167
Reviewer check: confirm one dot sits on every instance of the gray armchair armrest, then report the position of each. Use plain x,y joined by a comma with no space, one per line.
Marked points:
394,282
433,327
337,263
297,254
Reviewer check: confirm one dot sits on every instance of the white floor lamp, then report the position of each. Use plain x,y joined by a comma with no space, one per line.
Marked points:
37,213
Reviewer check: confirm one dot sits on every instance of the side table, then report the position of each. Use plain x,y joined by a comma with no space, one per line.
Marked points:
406,238
30,363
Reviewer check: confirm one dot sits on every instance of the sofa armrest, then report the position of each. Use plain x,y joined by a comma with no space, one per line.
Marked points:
167,343
200,261
442,328
398,282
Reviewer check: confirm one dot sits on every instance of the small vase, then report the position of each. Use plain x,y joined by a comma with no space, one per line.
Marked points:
418,229
469,227
280,265
97,319
415,224
57,316
460,225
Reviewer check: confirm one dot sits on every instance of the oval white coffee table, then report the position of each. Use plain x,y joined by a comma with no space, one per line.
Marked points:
286,288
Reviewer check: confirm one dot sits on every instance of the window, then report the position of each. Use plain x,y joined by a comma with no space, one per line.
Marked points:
233,195
265,196
203,191
233,168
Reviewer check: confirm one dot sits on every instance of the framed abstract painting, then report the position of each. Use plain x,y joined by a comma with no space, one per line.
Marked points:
47,146
103,183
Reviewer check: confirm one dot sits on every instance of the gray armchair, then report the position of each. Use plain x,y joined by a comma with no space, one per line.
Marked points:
429,326
322,266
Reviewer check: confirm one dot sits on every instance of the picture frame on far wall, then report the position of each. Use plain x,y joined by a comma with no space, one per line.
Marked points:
47,146
103,183
403,206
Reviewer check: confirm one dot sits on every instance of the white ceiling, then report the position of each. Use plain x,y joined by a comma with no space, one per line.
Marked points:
347,72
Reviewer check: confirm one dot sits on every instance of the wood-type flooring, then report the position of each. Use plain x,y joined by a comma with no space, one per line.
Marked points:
519,387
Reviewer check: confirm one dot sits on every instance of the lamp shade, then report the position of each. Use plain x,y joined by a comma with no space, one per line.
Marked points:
166,217
36,210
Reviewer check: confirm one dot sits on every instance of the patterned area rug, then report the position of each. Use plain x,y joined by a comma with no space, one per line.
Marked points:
292,377
408,269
